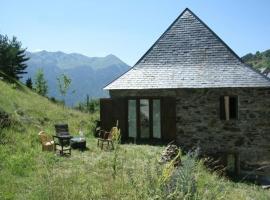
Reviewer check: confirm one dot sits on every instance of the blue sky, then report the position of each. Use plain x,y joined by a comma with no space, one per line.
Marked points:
127,28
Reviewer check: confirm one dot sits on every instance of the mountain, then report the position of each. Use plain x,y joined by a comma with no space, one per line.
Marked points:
259,60
89,74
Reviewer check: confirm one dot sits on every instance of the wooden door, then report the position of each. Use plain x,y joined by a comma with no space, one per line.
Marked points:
120,115
168,118
113,111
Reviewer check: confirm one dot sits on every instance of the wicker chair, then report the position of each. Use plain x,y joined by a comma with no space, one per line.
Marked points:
46,141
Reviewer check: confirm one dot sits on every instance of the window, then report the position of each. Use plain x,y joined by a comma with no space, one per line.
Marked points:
228,107
144,118
132,119
156,119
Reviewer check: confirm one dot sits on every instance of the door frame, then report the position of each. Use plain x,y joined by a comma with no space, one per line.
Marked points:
138,120
113,109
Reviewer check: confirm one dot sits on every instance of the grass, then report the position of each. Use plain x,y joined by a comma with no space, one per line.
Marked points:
129,172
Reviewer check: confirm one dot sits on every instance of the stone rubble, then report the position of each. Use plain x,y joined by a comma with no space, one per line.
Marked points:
169,153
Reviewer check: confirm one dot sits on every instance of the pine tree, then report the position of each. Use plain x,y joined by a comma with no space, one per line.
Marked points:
12,57
29,83
87,102
92,106
41,86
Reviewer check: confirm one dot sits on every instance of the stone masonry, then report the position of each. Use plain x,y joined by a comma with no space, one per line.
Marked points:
198,122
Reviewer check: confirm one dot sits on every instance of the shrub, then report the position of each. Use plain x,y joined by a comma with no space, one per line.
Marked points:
5,120
116,137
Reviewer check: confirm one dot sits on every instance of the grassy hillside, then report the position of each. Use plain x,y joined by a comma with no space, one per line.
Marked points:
259,60
129,172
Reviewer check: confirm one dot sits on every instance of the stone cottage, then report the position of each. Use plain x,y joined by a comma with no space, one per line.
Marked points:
192,88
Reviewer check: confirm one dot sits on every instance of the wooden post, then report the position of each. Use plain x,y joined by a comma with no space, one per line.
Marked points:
227,107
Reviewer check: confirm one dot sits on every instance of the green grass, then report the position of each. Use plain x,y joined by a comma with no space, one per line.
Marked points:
28,173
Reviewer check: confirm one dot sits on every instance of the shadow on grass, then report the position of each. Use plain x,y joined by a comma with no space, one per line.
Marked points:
13,82
153,142
250,178
81,149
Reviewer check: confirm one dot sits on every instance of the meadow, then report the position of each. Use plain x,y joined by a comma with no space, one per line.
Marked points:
129,172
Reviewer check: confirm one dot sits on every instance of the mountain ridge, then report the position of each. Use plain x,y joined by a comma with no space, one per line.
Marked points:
76,59
89,74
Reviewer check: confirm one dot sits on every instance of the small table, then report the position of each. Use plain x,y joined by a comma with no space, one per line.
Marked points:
78,142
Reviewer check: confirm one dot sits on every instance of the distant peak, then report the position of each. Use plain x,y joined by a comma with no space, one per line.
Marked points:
111,55
60,52
37,50
46,52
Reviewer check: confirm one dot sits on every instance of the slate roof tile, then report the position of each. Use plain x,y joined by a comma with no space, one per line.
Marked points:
189,55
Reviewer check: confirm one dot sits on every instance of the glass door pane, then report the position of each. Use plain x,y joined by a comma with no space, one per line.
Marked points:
156,119
144,118
132,119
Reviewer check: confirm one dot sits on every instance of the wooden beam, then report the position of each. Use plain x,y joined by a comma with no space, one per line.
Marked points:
150,118
227,107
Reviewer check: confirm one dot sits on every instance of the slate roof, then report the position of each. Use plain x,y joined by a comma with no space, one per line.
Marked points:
189,55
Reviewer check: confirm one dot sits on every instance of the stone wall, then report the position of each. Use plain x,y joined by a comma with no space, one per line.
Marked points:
199,125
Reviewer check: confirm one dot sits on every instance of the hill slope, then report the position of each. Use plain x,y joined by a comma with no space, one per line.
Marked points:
31,110
89,74
259,60
128,172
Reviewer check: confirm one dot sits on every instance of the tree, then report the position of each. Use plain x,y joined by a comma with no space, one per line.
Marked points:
63,85
41,86
87,101
267,53
258,55
29,83
268,64
92,106
12,57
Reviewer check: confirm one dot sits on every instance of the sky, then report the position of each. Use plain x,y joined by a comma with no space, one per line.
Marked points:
127,28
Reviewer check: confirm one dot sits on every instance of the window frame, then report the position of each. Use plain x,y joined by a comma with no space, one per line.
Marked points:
222,109
138,126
